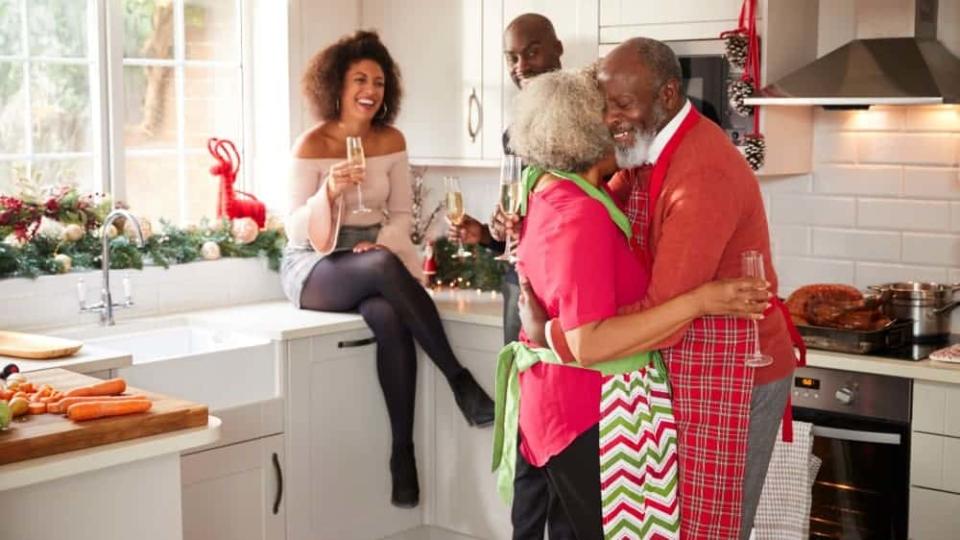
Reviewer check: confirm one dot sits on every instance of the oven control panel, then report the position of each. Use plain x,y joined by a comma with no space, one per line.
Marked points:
860,394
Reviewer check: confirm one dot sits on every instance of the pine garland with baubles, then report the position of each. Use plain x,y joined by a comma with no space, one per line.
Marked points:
755,150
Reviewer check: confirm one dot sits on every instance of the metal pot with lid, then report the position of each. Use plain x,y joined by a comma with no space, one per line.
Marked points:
928,305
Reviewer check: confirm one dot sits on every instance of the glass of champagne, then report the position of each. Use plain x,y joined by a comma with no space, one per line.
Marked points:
510,172
455,211
751,264
356,159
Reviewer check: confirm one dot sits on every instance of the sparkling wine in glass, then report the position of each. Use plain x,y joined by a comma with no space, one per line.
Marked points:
355,158
455,212
751,264
510,172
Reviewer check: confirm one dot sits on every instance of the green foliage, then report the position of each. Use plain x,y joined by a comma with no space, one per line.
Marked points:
481,271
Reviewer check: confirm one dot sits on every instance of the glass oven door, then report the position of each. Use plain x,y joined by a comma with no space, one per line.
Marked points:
862,488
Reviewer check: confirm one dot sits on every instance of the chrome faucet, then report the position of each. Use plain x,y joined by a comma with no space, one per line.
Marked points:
106,305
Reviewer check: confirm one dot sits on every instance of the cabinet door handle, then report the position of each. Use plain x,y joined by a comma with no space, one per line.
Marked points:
279,496
350,343
471,101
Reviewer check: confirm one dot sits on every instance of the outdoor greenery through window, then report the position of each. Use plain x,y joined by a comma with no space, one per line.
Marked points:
160,76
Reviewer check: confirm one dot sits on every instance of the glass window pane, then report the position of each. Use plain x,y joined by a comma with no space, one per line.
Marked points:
58,27
202,187
10,174
12,108
212,105
150,111
11,41
58,172
60,107
148,28
211,30
152,186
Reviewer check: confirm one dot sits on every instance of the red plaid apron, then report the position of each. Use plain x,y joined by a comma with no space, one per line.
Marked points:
711,388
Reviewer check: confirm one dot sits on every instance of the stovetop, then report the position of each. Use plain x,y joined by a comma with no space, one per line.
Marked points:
917,351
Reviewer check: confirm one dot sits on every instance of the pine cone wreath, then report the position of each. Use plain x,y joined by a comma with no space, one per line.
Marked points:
737,92
737,46
754,150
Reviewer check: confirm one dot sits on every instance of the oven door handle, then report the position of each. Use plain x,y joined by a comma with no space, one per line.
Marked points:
856,436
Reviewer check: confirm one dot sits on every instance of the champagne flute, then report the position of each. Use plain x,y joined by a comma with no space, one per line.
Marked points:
510,170
751,264
455,211
356,159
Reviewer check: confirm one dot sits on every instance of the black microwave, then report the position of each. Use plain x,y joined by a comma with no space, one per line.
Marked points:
706,76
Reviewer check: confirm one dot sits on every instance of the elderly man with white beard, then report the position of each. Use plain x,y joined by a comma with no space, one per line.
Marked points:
695,208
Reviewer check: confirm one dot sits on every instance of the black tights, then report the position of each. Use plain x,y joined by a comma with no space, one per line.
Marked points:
397,309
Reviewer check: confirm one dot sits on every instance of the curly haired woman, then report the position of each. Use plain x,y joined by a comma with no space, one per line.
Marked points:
337,260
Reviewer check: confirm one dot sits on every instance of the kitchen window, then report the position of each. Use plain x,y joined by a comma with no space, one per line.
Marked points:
120,96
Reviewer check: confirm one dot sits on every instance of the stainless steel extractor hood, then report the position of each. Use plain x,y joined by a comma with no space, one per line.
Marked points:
879,71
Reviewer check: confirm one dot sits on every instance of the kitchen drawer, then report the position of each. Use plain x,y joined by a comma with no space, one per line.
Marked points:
936,408
934,515
934,462
475,337
331,346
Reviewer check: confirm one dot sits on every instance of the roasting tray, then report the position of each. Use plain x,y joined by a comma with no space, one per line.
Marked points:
896,334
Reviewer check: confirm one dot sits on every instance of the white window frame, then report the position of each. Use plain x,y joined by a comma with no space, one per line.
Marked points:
105,28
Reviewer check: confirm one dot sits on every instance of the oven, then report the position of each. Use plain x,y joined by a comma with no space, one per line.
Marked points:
706,76
861,428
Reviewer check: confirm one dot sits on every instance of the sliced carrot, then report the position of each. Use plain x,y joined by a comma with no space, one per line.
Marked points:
90,410
105,388
6,394
63,404
36,408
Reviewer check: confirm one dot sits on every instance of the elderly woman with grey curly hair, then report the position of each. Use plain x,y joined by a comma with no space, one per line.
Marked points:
601,428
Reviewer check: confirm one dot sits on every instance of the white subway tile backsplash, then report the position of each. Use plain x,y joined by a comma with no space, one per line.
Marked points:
909,148
931,182
939,249
875,274
786,184
877,180
812,210
876,119
955,217
857,245
802,270
790,240
835,147
903,215
934,118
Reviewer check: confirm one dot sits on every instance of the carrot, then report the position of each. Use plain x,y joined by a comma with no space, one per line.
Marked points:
36,408
105,388
89,410
6,394
63,404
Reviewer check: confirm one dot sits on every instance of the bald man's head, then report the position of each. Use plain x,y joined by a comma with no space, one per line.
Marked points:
531,47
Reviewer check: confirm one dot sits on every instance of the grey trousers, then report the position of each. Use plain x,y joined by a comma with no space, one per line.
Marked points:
766,410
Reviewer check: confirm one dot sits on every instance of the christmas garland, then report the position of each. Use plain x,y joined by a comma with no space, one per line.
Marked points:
482,271
61,230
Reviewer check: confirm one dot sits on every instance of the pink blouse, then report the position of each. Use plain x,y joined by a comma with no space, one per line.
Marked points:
582,270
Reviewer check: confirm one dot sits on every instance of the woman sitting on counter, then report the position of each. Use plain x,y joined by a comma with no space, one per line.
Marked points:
349,246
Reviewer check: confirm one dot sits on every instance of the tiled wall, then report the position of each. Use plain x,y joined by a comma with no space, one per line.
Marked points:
882,203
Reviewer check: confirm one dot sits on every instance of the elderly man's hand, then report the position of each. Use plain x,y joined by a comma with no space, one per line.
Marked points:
532,315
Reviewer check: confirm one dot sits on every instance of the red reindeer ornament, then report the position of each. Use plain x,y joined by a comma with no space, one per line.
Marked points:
233,204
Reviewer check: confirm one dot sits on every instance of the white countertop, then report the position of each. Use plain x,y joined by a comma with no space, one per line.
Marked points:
88,359
34,471
280,321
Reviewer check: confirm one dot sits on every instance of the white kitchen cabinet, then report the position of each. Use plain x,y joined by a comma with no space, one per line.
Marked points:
467,500
934,515
630,12
449,62
338,442
235,492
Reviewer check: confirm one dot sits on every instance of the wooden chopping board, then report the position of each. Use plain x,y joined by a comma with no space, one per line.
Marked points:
34,436
36,347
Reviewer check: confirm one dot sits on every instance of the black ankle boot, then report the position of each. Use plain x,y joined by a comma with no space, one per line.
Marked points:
474,403
403,472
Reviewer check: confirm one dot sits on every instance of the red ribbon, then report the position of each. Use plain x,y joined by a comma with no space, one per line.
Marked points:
747,24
